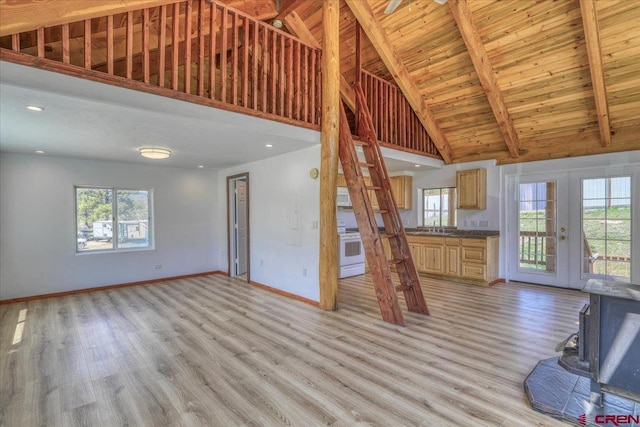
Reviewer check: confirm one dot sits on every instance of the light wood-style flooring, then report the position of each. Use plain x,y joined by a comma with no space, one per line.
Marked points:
215,351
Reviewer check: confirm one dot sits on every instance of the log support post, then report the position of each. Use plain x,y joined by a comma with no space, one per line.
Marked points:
329,155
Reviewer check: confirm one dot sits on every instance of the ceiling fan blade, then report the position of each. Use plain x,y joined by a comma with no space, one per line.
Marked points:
393,5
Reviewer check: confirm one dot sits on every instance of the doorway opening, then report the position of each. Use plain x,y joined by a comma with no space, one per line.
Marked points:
238,226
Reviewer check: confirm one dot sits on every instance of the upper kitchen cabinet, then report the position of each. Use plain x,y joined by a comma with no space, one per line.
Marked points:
402,190
472,189
342,181
401,186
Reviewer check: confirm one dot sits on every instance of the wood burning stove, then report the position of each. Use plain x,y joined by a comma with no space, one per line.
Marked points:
597,378
606,348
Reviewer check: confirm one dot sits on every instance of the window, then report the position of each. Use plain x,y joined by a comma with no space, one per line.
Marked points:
439,207
109,219
606,228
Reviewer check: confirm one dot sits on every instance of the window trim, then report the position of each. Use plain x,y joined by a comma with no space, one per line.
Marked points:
114,209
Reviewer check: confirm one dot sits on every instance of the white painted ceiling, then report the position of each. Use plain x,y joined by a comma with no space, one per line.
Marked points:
89,120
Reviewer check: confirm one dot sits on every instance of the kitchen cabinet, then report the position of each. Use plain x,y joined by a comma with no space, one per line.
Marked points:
452,256
461,259
472,189
401,186
428,253
342,182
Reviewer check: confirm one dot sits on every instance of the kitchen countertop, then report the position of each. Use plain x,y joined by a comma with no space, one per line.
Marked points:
469,234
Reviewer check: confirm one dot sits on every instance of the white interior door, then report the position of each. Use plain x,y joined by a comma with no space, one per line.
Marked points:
241,227
538,225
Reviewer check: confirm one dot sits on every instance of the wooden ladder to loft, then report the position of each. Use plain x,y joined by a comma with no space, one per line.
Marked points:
379,265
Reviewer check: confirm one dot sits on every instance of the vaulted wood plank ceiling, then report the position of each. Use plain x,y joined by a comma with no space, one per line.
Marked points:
513,80
535,62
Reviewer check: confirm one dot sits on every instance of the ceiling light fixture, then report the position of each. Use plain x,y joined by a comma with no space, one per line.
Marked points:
269,145
277,23
41,152
417,166
200,166
34,108
155,153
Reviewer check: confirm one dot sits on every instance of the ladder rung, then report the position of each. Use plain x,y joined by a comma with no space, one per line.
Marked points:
382,211
368,165
396,261
373,187
388,236
357,140
402,288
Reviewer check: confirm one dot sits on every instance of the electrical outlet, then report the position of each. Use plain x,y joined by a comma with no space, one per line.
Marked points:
261,262
158,266
314,224
304,271
483,224
474,223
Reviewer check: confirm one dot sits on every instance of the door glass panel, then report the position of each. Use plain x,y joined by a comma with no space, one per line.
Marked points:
537,222
606,224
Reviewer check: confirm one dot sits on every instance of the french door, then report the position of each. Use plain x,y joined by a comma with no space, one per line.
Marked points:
538,229
566,228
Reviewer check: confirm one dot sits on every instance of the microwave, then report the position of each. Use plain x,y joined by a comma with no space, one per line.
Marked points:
344,200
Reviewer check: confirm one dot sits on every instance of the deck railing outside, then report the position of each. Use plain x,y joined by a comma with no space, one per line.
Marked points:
533,252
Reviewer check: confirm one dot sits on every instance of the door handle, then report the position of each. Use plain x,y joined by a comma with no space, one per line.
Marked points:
563,237
562,229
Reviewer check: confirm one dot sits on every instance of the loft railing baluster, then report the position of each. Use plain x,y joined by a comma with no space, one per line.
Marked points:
200,48
162,46
145,46
223,55
175,45
188,16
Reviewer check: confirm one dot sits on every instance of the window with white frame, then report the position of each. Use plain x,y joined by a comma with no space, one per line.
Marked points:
111,219
439,207
606,228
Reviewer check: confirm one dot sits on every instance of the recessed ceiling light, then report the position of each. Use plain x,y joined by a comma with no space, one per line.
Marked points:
417,166
34,108
269,145
155,153
200,166
40,152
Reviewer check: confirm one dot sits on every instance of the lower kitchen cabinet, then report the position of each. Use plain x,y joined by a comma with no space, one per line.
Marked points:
462,259
452,257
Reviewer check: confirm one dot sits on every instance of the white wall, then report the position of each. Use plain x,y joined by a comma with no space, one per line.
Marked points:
37,224
284,210
446,177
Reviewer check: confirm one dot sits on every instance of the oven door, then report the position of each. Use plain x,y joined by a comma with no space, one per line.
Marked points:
351,250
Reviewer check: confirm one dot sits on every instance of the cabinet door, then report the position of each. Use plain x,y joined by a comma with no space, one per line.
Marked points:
402,190
417,253
452,260
433,258
474,271
472,189
342,182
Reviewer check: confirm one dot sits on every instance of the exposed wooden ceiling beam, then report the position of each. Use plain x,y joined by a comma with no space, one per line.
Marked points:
21,16
592,37
378,37
462,14
298,28
288,6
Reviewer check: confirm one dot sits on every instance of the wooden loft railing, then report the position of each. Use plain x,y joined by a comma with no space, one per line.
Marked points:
395,122
196,50
204,52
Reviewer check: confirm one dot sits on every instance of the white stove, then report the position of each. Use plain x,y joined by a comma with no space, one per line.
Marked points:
350,253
